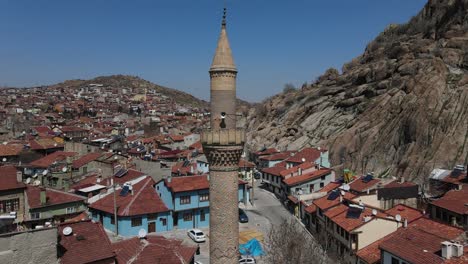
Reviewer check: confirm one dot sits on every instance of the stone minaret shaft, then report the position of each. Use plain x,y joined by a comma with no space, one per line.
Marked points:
223,146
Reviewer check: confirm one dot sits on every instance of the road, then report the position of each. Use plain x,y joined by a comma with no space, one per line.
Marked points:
266,211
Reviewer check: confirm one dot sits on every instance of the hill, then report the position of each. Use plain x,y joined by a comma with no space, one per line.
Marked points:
399,109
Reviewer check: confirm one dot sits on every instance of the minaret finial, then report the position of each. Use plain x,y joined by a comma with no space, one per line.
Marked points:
224,18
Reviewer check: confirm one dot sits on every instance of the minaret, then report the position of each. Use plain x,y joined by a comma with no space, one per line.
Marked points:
223,145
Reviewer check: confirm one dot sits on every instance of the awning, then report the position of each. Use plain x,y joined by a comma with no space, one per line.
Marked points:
92,188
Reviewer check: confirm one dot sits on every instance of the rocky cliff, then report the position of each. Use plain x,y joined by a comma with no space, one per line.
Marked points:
399,109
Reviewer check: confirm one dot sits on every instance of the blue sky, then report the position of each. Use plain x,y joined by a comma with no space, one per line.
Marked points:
172,42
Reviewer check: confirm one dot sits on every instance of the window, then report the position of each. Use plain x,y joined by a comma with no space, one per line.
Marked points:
157,187
71,210
202,216
112,220
395,261
35,215
163,221
322,184
136,221
323,177
347,235
187,216
204,197
7,206
438,214
152,217
185,199
337,229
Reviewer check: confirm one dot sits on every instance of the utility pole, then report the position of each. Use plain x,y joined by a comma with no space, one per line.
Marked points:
253,187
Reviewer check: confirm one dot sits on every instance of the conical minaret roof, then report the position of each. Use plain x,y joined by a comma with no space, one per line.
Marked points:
223,56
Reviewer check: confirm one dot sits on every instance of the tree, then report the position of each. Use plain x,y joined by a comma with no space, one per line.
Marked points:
289,87
289,242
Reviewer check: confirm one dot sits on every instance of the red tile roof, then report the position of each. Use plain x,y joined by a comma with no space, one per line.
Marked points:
10,150
330,187
46,161
276,170
130,175
67,129
87,244
293,199
246,164
303,166
359,185
154,249
306,154
54,197
44,143
371,253
278,156
8,179
176,138
190,183
339,216
454,200
323,203
144,200
311,209
455,179
406,212
83,160
306,177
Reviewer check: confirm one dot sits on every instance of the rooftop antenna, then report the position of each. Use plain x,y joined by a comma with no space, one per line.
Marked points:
223,23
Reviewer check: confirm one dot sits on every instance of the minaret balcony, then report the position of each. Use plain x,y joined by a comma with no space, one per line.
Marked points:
223,137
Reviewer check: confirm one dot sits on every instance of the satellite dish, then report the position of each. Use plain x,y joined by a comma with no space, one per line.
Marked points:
398,217
4,159
35,175
346,187
115,157
120,153
110,150
37,183
55,144
28,180
303,159
67,231
343,193
374,212
4,143
142,233
45,172
64,169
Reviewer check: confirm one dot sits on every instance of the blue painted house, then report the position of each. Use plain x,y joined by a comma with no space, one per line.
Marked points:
138,207
188,199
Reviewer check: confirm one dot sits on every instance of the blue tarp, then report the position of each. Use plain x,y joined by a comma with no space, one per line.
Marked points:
252,248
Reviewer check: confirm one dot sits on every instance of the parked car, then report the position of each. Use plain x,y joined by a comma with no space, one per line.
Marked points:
243,216
246,260
196,235
257,175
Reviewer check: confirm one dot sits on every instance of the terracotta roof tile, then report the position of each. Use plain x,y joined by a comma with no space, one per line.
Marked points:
83,160
454,200
276,170
406,212
267,152
330,187
8,179
303,166
190,183
130,175
277,156
359,185
323,203
144,200
307,154
155,249
44,143
246,164
87,244
306,177
311,209
46,161
54,197
10,150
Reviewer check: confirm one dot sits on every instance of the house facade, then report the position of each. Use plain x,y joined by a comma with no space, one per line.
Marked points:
188,199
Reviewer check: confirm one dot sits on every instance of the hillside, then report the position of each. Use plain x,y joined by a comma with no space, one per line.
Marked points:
399,109
126,81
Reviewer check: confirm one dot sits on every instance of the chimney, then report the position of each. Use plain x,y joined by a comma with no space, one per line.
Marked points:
454,221
299,171
459,187
19,176
169,179
43,196
405,223
341,198
446,250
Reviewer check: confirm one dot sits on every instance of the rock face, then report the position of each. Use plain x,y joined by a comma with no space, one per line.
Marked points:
399,109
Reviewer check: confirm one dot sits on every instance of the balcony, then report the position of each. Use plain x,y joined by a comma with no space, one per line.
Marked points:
223,137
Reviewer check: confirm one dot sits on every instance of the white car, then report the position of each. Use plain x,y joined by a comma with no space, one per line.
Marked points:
246,260
196,235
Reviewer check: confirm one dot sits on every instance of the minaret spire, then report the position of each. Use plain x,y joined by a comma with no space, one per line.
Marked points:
223,23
